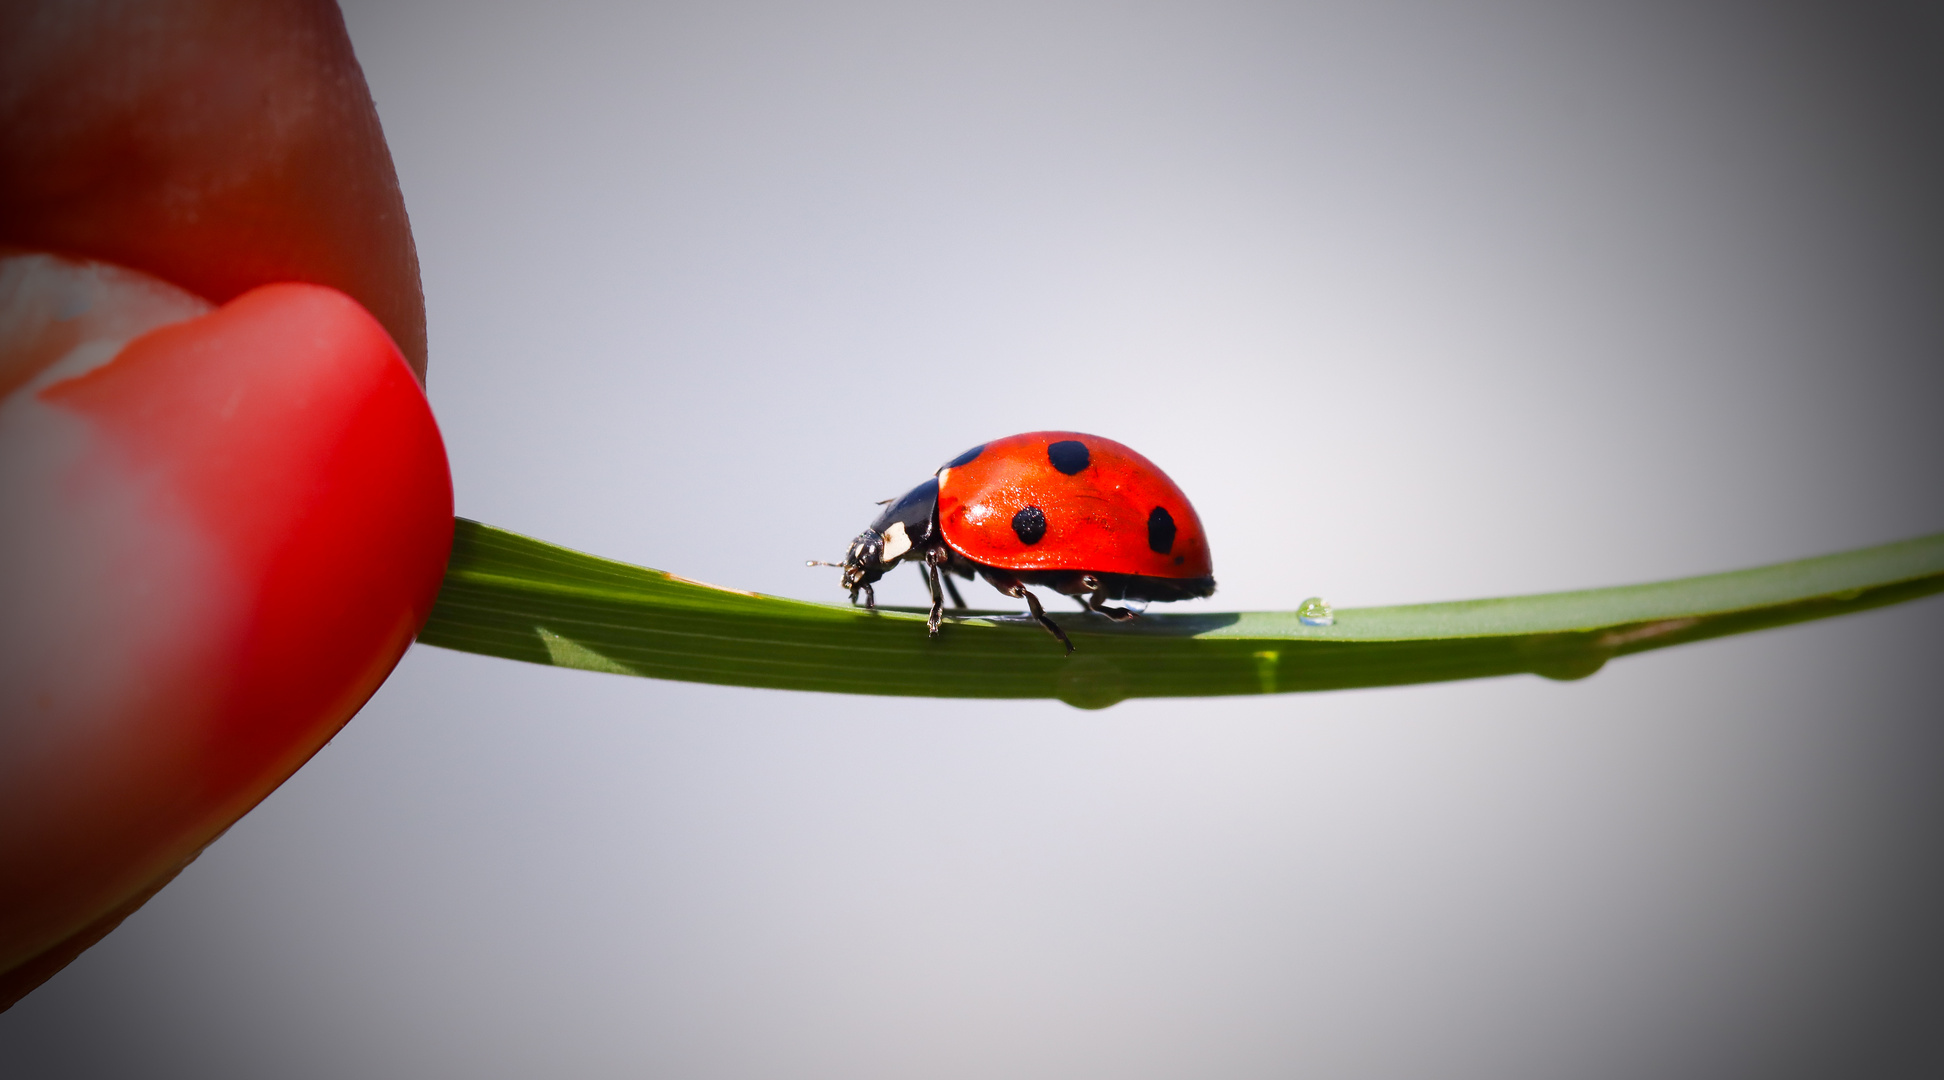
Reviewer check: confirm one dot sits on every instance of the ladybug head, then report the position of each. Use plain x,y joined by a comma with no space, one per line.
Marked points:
906,525
864,562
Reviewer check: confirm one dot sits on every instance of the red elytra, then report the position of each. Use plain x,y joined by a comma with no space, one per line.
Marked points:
1073,512
1116,512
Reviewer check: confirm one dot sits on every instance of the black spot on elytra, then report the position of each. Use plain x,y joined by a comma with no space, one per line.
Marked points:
966,458
1069,456
1161,530
1179,559
1029,525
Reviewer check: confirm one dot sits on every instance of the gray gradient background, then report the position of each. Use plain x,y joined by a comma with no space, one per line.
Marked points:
1419,302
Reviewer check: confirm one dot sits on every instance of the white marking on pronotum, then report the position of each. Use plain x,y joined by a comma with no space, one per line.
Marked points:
896,543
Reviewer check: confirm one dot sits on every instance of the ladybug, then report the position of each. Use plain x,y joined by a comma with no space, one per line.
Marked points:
1075,513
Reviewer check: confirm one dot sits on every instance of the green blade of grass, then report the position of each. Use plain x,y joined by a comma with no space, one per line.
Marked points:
511,596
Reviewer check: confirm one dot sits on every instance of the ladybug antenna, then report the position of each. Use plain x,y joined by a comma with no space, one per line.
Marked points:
820,562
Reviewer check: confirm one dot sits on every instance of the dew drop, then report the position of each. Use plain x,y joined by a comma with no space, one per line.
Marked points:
1090,682
1315,612
1133,605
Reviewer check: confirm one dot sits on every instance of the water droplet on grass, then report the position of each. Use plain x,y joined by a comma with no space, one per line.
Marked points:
1315,612
1090,682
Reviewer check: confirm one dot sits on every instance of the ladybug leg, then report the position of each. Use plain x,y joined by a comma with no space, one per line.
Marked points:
944,577
1094,603
930,570
1097,601
1009,585
1039,615
952,564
